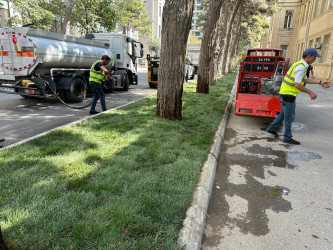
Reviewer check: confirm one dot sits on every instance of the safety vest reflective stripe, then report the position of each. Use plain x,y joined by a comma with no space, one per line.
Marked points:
288,82
96,76
97,72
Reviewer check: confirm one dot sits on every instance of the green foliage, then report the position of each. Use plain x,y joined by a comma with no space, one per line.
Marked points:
121,180
132,14
30,13
154,45
87,15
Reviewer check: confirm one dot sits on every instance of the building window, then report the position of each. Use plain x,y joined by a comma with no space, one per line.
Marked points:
285,48
311,43
325,46
4,5
288,19
318,45
317,8
331,5
324,6
305,16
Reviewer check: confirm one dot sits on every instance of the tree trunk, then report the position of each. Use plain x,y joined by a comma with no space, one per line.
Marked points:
237,35
67,15
207,45
226,13
213,61
227,43
176,24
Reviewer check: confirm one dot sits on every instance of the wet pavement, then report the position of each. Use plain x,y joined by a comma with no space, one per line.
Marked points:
271,195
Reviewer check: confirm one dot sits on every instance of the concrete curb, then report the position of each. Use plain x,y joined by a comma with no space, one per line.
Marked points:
66,125
191,234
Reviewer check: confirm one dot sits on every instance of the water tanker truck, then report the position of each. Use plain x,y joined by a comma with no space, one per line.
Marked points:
39,63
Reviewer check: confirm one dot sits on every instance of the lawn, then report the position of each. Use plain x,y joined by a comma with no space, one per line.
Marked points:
121,180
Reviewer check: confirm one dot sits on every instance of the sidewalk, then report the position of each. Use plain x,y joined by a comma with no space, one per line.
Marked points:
271,195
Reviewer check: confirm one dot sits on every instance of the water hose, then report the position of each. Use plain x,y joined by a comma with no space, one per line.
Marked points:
66,104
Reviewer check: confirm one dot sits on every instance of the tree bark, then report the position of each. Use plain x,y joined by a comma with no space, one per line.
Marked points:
237,35
207,42
227,43
176,24
215,52
226,14
67,15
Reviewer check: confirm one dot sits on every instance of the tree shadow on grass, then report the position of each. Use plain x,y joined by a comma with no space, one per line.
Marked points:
133,196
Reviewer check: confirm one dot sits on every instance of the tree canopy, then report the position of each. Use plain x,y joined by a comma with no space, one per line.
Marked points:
87,15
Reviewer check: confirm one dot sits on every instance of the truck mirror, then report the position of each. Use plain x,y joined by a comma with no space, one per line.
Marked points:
141,53
148,57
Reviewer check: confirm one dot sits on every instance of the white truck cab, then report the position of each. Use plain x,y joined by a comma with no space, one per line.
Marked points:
125,51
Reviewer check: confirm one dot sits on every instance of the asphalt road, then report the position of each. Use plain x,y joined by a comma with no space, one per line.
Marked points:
270,195
22,118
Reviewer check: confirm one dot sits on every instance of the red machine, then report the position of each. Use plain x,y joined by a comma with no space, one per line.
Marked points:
259,80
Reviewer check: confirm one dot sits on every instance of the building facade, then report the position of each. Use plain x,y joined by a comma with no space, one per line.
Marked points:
302,24
154,10
195,19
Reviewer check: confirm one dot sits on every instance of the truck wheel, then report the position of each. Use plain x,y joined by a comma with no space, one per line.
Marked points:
77,91
126,83
62,95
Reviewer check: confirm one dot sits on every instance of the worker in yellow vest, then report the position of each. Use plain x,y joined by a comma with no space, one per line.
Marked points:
292,83
97,73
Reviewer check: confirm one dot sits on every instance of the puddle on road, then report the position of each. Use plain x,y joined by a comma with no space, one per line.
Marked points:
243,157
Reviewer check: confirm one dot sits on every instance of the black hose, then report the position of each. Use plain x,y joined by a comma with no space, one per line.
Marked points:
73,107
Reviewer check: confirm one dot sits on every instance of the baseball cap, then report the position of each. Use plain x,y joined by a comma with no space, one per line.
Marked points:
311,52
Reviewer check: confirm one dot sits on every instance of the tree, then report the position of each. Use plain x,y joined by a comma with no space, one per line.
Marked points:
87,15
176,24
207,45
228,36
154,45
237,33
30,13
132,15
67,16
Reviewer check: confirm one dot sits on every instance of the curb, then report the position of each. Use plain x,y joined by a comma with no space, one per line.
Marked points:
190,235
66,125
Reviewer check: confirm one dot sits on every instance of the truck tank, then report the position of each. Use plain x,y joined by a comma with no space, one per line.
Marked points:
25,51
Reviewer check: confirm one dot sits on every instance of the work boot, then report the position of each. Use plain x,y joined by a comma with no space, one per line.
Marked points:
292,141
272,132
2,139
93,112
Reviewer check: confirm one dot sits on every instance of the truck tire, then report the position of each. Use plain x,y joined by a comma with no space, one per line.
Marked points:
126,83
62,95
77,91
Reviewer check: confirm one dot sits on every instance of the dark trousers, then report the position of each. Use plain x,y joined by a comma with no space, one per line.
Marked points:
98,94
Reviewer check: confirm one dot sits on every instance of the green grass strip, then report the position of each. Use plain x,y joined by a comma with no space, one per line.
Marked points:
122,180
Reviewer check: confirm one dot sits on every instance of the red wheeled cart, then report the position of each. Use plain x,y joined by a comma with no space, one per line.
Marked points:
259,79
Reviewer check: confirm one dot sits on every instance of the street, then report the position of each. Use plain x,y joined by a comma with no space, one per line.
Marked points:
271,195
22,118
